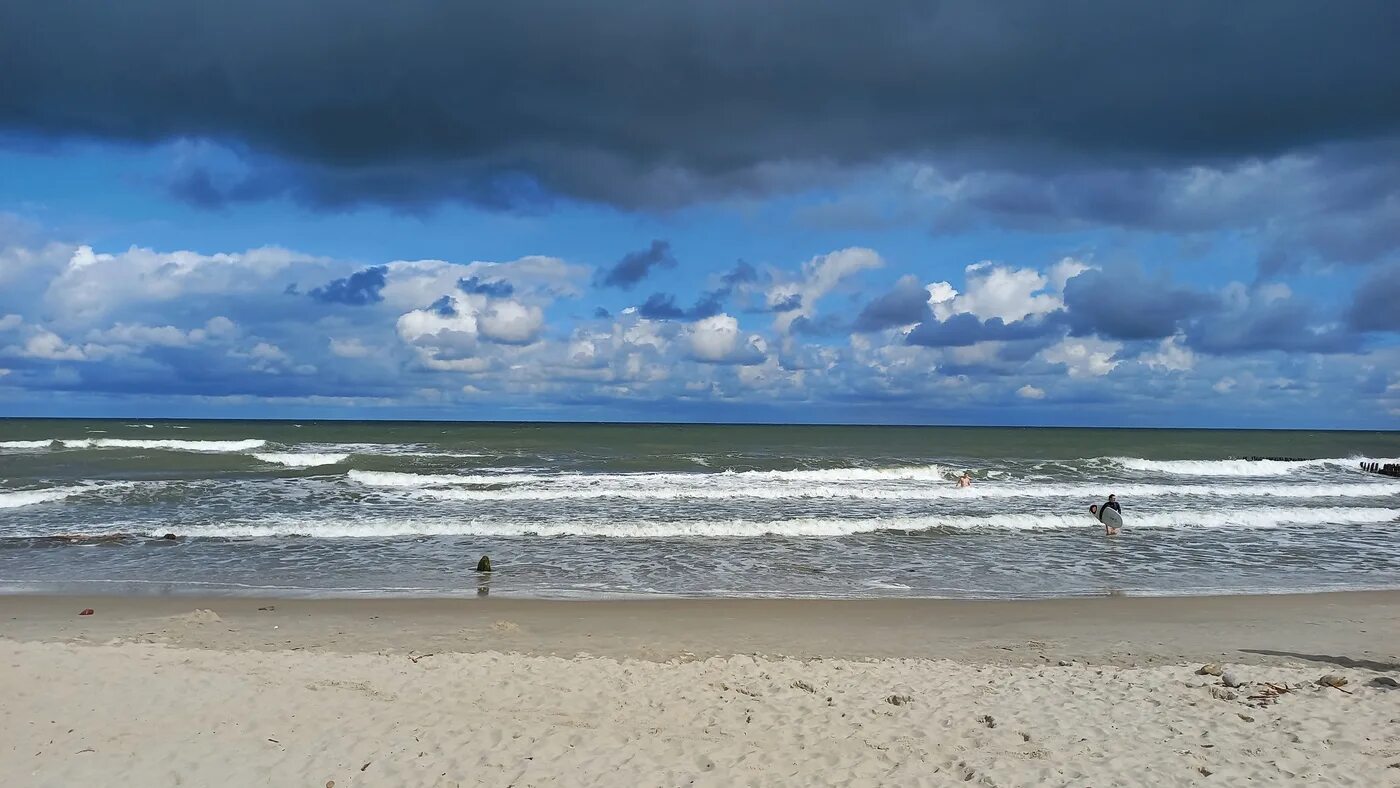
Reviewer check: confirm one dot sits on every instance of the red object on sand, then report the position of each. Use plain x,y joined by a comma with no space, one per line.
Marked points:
87,611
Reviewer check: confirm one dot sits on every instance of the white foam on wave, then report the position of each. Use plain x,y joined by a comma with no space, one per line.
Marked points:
897,473
427,480
171,444
1241,467
18,498
797,527
302,460
712,487
1218,467
26,444
834,475
1214,518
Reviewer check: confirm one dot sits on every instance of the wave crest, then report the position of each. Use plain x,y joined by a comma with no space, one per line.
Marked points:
797,527
302,460
17,498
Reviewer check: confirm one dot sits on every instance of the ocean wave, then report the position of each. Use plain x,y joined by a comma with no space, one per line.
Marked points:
797,527
17,498
1221,467
894,473
634,487
426,480
302,460
131,443
44,444
1241,467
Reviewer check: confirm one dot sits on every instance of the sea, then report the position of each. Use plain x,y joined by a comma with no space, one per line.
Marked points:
338,508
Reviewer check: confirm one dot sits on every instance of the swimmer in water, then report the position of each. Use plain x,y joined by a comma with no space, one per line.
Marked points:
965,480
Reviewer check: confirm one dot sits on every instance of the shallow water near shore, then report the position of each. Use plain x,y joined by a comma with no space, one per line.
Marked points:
353,508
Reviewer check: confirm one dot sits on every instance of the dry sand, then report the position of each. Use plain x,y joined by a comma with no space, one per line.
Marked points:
217,692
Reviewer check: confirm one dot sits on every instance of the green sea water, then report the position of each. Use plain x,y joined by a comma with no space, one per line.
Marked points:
735,510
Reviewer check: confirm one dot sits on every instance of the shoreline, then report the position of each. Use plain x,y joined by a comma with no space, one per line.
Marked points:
1272,629
128,589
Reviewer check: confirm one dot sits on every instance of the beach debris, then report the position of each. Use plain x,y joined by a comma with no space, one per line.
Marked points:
899,700
804,686
330,783
1204,771
1245,717
1209,669
506,626
1064,663
414,659
987,720
1269,694
1335,681
1232,679
87,611
367,763
268,608
1220,693
484,565
1385,681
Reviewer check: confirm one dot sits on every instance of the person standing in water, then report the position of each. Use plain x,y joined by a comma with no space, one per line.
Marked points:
965,480
1098,511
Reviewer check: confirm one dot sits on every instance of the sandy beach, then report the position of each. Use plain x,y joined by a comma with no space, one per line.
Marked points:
362,692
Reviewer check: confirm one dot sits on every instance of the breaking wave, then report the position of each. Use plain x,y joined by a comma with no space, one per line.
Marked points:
17,498
130,443
638,488
302,460
26,444
1238,467
800,527
424,480
1218,467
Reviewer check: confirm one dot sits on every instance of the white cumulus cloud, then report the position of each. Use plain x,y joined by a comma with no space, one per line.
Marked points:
1088,357
718,340
992,290
1170,356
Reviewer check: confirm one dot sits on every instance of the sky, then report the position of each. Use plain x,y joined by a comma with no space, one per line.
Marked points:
1018,213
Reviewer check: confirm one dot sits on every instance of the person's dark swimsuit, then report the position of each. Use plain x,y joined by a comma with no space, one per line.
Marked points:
1116,507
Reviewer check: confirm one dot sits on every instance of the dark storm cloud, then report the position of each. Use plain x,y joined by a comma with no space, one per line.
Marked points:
906,304
358,289
495,288
1124,304
1287,324
965,329
651,104
662,306
742,273
634,266
1376,306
